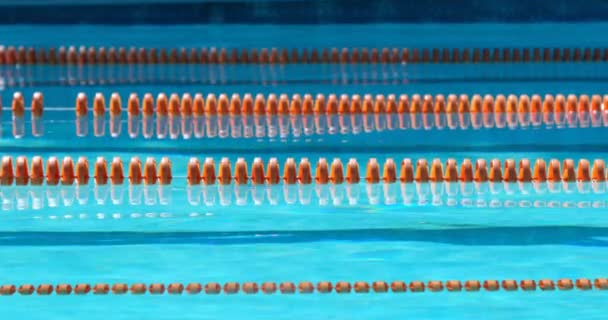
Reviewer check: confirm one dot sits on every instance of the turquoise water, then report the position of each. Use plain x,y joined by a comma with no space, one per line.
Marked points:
151,234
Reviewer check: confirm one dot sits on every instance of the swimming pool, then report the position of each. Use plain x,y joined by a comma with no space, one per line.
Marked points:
100,208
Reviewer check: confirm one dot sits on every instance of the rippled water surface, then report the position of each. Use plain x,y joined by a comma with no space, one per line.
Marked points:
348,232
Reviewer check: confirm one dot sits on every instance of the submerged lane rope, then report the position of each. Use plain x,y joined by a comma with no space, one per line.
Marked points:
132,55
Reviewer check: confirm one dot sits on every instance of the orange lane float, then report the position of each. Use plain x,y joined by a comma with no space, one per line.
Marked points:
81,105
453,285
546,284
8,289
252,287
63,289
398,286
116,104
268,287
83,56
231,287
287,288
601,284
37,109
116,171
343,287
156,288
565,284
527,285
17,105
194,288
26,289
509,285
213,288
149,172
67,171
120,288
138,288
584,284
491,285
361,287
44,289
99,104
82,170
472,285
21,171
324,287
380,286
37,171
306,287
82,288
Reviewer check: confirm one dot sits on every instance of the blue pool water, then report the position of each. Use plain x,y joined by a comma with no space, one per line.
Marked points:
359,232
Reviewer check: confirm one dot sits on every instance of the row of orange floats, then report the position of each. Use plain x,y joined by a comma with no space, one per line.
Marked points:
132,55
334,173
524,107
307,287
69,173
499,111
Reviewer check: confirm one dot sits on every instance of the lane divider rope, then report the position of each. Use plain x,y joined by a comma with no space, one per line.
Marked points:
122,55
509,171
68,174
408,173
489,111
307,287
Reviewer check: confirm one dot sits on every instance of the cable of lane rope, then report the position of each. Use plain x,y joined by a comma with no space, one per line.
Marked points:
307,287
122,55
508,171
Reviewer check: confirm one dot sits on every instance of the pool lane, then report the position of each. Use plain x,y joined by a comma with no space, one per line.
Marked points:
422,35
404,255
